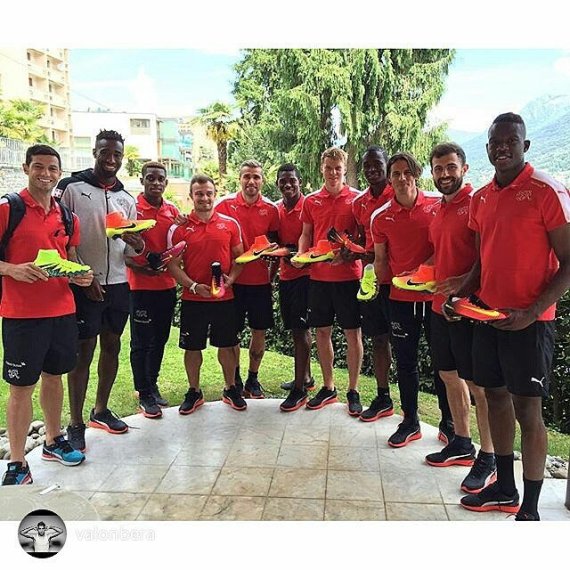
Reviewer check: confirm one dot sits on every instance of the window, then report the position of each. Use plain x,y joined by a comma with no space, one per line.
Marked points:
29,56
140,126
30,82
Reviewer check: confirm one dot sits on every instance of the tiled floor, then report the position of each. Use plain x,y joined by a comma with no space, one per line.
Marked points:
219,464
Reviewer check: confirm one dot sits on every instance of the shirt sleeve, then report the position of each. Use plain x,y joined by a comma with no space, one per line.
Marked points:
75,239
306,216
274,226
236,235
4,214
174,235
555,208
378,236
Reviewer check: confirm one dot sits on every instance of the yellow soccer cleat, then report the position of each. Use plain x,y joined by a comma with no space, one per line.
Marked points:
368,284
55,266
422,279
116,225
261,246
323,251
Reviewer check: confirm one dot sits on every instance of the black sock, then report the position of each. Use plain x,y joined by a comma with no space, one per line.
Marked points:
531,495
383,391
251,376
237,376
506,473
462,441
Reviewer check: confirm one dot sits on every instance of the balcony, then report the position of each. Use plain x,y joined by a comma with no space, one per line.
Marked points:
37,69
56,77
56,53
39,95
58,101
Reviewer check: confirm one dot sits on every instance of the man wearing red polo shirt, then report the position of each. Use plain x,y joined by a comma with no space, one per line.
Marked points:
211,237
153,293
400,233
375,319
522,225
256,216
333,286
451,342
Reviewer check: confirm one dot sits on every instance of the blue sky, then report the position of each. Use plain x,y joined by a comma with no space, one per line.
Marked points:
174,82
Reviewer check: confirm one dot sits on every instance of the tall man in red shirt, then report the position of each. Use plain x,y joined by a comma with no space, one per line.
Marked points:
39,333
257,216
400,233
211,237
522,223
451,342
375,318
153,293
333,286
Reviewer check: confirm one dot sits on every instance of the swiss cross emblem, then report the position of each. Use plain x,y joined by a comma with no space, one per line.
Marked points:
524,195
221,226
263,212
463,211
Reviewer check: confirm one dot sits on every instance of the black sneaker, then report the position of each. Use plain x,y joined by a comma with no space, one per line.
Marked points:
253,390
76,437
108,421
162,402
408,430
323,397
233,398
309,384
16,474
150,407
239,385
446,431
294,400
523,516
192,401
60,450
452,454
491,498
482,474
381,407
354,405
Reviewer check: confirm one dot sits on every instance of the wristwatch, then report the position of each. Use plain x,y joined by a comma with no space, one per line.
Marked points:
193,287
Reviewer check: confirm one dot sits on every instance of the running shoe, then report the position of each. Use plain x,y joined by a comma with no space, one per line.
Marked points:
17,474
323,398
475,310
354,405
76,437
381,407
61,450
446,431
192,401
491,498
159,261
345,239
55,266
523,516
296,399
309,384
116,225
108,421
422,279
162,402
368,284
232,396
482,474
149,407
253,390
452,454
323,251
218,287
408,430
261,246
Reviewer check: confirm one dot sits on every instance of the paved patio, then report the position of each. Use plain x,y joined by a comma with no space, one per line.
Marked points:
262,464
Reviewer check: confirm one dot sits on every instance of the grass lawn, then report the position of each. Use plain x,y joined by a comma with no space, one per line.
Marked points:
274,370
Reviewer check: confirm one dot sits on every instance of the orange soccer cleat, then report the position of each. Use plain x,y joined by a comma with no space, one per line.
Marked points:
345,240
116,225
261,246
323,251
473,310
422,279
218,288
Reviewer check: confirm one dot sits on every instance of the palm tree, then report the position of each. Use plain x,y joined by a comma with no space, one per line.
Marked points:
221,127
19,120
132,156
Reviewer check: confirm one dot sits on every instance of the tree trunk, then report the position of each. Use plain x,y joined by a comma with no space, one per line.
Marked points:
223,158
351,166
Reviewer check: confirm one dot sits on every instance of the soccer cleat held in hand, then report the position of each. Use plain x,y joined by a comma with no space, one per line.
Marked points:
218,288
116,225
158,261
368,284
474,309
279,253
55,266
345,240
323,251
422,279
261,246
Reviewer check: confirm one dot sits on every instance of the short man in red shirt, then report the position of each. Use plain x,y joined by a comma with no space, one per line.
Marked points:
333,286
210,237
257,216
375,318
294,286
400,233
39,332
153,293
522,223
451,342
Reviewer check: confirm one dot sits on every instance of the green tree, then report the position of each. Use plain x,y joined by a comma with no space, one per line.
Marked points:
294,103
19,120
132,156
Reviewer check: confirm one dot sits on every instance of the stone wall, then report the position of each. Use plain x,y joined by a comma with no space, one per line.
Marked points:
12,179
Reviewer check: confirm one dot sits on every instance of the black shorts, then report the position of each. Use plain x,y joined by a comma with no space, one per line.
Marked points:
33,346
330,298
110,314
519,360
451,345
255,302
375,314
200,319
293,300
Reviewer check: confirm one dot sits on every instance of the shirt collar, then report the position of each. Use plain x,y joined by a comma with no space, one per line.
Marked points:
421,198
194,218
144,204
242,202
296,208
522,178
462,195
31,203
324,193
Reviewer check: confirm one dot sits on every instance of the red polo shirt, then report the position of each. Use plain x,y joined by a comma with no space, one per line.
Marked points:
405,233
155,241
453,241
255,219
364,205
37,230
517,260
207,242
323,211
290,230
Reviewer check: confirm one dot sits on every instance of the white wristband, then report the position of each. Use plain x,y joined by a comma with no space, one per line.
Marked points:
193,287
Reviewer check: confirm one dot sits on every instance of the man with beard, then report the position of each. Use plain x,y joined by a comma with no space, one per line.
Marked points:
451,341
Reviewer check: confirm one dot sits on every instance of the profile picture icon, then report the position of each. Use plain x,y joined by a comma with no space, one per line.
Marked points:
42,533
